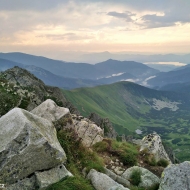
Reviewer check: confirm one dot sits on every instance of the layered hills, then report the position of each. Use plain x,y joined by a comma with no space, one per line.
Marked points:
103,70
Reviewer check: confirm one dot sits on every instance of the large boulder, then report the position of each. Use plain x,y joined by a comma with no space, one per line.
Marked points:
101,181
46,178
28,144
41,179
176,177
88,131
50,111
147,178
153,144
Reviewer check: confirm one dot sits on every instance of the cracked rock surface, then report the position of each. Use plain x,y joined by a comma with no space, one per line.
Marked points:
28,144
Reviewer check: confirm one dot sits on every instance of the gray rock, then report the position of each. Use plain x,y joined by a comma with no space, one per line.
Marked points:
153,144
101,181
89,132
46,178
50,111
105,124
28,144
147,178
117,178
41,180
25,184
176,177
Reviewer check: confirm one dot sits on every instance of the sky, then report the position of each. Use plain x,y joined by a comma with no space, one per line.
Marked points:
54,28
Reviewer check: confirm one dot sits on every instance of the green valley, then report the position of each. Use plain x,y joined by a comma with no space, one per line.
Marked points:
130,106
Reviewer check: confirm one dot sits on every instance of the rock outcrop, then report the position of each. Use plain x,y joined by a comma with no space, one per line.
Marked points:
88,131
50,111
41,180
20,88
153,144
28,144
176,177
147,178
105,124
117,178
101,181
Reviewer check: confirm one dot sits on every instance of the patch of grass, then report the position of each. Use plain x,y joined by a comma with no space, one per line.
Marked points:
102,146
135,177
162,162
126,152
78,156
72,183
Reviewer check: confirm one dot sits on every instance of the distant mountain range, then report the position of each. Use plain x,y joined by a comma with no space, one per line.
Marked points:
69,75
175,80
49,78
102,56
77,74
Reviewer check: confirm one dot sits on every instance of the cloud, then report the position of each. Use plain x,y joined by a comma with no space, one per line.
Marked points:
66,36
94,24
19,5
126,15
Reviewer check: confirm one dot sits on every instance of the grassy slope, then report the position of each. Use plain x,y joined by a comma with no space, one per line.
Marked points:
124,104
105,100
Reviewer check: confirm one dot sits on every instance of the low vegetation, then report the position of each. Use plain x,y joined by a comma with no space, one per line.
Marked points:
78,158
135,177
126,152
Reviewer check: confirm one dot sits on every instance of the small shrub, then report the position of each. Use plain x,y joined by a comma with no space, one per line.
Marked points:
128,158
152,161
162,162
135,177
127,153
101,146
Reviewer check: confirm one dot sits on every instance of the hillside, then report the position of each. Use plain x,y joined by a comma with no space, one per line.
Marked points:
130,106
20,88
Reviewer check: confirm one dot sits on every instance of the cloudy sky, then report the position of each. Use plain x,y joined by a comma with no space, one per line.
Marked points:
51,27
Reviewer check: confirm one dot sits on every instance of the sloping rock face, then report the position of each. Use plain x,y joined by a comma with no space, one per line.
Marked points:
88,131
28,144
147,178
26,91
101,181
153,143
105,124
50,111
176,177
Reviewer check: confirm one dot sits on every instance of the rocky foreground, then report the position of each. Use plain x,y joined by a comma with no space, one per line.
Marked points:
31,156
